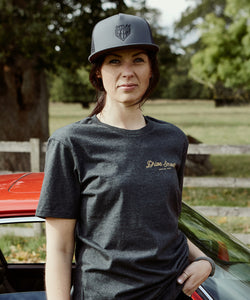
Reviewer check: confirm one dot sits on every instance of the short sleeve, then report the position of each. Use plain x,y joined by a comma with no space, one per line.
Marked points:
183,162
60,194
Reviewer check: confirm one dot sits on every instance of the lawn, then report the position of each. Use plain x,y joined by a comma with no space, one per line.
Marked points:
201,119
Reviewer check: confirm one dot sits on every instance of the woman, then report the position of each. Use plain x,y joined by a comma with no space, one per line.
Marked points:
113,184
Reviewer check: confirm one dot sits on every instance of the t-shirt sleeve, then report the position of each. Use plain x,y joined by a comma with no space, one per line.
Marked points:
183,162
60,194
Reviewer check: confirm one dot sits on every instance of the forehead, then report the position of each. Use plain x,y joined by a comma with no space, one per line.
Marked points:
127,52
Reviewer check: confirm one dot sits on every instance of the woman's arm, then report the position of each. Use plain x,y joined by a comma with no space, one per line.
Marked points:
197,272
59,252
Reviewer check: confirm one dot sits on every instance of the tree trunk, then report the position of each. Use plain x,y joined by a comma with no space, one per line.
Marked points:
24,109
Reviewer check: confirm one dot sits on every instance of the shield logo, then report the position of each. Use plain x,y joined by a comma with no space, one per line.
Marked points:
122,31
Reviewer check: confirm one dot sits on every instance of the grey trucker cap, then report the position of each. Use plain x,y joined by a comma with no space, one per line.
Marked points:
120,31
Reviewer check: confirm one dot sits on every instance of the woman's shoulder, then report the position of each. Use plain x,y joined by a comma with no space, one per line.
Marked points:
76,130
166,126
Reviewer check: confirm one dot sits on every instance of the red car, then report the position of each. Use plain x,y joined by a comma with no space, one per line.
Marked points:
19,194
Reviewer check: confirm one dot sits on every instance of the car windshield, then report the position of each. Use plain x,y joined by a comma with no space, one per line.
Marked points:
227,252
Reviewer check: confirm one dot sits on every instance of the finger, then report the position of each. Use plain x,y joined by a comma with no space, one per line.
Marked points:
188,291
190,287
184,276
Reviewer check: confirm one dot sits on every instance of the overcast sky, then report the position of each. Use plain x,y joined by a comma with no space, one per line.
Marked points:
170,12
170,9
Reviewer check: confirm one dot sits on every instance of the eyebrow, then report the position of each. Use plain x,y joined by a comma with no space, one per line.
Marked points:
136,54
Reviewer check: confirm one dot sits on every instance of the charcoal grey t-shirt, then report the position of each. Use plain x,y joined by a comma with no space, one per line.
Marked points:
124,188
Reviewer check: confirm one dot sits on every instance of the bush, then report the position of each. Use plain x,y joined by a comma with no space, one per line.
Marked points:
68,86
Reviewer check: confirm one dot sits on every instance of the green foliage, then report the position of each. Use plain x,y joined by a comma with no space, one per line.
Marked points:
167,61
52,33
180,86
239,7
56,35
196,13
224,60
69,86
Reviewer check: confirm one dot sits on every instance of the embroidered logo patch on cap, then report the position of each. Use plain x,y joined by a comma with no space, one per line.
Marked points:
122,31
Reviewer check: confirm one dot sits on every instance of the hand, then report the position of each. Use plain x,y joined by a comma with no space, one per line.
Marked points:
193,276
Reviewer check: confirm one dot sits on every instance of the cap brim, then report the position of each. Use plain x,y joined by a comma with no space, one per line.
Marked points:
151,47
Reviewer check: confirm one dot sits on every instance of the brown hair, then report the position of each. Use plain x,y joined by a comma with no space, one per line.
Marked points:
101,93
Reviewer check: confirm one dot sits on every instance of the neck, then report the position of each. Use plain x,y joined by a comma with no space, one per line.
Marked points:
130,118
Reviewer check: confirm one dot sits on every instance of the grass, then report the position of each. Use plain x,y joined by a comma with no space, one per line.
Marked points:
217,196
201,119
23,249
230,165
61,114
233,224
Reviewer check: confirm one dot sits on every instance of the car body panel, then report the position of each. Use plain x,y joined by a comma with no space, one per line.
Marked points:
19,194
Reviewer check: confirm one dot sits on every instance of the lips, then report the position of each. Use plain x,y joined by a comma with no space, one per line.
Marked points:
127,85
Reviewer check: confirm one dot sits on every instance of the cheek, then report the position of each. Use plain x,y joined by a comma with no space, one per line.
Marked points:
108,84
108,79
146,75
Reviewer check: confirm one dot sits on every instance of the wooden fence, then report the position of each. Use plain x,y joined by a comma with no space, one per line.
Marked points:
35,148
218,181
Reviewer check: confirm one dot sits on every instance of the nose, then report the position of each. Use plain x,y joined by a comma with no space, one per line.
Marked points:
127,70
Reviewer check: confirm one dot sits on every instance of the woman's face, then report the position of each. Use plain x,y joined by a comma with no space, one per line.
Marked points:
125,75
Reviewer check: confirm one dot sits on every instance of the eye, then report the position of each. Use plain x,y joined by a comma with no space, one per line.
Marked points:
114,61
139,60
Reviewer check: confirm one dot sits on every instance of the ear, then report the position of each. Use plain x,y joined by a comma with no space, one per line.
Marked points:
98,74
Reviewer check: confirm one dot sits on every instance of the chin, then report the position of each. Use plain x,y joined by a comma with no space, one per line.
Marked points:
130,100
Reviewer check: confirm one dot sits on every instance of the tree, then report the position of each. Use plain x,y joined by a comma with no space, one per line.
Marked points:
71,86
181,85
223,63
36,36
196,13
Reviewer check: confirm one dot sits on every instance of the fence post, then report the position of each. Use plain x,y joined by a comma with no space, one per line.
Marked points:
35,154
